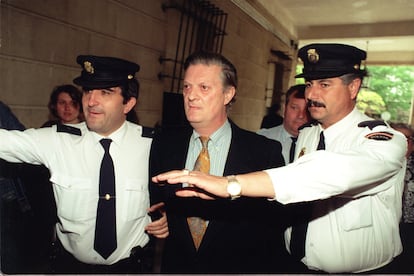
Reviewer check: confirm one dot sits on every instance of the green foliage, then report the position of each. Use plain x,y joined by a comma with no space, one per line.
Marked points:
371,103
299,68
395,85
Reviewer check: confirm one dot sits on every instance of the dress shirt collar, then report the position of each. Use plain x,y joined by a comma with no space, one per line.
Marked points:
217,138
343,125
218,148
286,136
115,136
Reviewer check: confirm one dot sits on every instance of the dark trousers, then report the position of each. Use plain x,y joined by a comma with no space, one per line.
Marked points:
402,264
140,261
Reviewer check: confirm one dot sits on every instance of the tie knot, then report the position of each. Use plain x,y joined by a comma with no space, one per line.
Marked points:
294,139
105,143
204,141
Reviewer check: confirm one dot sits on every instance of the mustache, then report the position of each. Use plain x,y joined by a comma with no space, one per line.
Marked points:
312,103
94,110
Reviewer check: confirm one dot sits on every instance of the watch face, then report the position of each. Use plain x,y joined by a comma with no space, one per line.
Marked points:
234,188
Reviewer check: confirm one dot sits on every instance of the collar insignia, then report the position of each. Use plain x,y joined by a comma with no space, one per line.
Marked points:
302,152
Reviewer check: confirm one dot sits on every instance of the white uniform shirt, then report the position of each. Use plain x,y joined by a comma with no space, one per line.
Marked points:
361,181
74,163
280,134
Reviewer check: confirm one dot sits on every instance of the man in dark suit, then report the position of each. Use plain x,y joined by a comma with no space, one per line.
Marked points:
242,235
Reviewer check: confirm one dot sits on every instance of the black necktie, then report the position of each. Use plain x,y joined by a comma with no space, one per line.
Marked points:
298,235
292,149
321,144
105,230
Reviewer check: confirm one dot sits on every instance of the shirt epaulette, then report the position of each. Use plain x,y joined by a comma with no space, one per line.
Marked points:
372,123
148,132
68,129
308,124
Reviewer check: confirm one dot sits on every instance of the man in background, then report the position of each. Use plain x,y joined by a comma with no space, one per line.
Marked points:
296,114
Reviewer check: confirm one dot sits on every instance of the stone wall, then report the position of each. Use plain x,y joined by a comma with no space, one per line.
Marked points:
40,41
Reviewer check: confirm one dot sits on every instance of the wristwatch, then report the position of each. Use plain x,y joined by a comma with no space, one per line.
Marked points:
233,187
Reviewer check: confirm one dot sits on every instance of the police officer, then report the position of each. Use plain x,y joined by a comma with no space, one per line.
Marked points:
354,180
74,154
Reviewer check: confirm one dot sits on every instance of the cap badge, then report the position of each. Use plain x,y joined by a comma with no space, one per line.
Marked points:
313,56
130,77
356,66
88,67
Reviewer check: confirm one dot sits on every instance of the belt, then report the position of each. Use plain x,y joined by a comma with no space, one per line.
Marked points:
140,260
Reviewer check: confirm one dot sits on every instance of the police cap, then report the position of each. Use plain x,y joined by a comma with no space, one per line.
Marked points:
330,60
104,72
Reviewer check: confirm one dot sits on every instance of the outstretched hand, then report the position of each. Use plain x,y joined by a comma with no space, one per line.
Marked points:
194,184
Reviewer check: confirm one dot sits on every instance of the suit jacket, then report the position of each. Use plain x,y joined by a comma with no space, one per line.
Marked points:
243,235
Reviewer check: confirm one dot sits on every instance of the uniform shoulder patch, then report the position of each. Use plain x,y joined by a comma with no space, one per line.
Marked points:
148,132
68,129
380,135
372,123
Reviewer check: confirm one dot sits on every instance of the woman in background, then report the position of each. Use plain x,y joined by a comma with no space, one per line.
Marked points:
65,106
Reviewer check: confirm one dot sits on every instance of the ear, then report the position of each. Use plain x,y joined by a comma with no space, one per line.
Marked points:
130,104
354,87
229,94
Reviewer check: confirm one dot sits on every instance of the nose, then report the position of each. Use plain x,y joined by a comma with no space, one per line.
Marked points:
310,92
190,94
68,106
91,97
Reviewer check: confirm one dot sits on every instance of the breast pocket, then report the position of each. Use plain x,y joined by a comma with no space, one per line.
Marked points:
75,198
355,214
135,199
